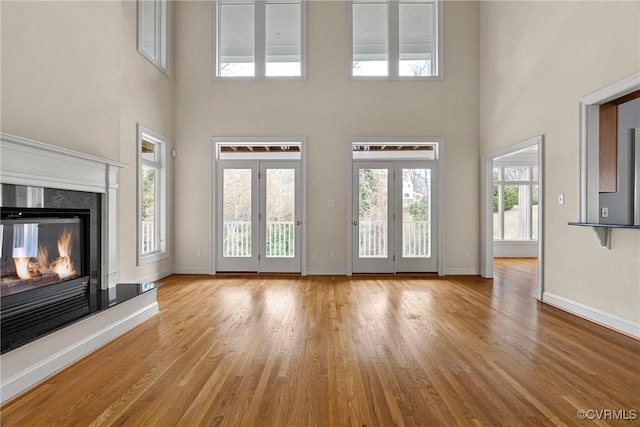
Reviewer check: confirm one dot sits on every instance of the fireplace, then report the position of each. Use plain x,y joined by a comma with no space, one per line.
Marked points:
45,265
50,320
42,247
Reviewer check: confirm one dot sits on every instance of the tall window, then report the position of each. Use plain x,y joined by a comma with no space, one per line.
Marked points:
153,31
515,203
259,38
395,38
152,196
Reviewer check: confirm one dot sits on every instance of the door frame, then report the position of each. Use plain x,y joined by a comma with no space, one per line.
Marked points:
439,190
486,208
214,141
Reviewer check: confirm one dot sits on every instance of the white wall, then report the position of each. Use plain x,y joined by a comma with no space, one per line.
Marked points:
537,60
326,108
72,77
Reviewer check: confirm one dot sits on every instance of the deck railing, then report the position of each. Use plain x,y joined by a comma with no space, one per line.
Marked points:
279,239
148,237
416,242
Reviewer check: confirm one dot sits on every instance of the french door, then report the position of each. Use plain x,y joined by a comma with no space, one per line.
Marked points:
258,216
394,226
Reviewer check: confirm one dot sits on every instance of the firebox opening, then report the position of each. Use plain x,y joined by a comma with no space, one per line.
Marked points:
41,247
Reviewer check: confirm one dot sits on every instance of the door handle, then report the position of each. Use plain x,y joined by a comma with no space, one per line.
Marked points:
355,223
298,222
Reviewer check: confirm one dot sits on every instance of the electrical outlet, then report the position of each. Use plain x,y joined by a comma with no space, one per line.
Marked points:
331,203
604,212
198,253
332,253
315,253
467,254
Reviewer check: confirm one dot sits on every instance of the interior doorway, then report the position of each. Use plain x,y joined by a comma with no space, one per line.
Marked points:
512,206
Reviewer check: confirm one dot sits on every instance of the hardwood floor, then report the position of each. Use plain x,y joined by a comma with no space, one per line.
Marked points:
338,351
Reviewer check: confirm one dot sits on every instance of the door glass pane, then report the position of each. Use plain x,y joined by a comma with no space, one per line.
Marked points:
516,201
236,205
416,39
370,39
373,213
237,40
283,39
416,213
280,213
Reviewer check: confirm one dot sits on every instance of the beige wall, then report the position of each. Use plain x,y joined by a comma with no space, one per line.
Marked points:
72,77
537,60
326,108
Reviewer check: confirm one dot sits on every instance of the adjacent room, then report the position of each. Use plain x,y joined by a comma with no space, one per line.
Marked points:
319,212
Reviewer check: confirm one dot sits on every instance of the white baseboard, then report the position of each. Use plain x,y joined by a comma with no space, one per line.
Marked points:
326,272
32,363
475,271
191,270
593,314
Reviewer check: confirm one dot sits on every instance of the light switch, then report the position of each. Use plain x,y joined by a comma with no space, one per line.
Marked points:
561,199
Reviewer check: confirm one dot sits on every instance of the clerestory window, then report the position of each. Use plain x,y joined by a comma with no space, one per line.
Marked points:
258,39
395,38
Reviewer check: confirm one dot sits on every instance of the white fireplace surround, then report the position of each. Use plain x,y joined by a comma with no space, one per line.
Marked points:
33,163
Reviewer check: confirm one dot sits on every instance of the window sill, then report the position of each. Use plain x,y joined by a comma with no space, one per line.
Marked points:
153,257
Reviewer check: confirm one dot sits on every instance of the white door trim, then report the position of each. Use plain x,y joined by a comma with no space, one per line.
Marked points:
486,208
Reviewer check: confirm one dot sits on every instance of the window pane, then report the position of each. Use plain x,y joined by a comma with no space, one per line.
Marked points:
148,27
535,174
148,210
516,174
416,213
417,41
280,200
370,39
496,174
496,213
283,39
516,200
237,40
236,206
373,213
148,151
534,212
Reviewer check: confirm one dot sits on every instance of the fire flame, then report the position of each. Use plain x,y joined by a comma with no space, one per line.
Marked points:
63,266
22,267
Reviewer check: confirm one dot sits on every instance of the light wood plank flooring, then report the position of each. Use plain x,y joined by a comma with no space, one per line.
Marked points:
338,351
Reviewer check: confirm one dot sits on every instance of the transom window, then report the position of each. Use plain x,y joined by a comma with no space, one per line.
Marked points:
258,38
515,203
395,38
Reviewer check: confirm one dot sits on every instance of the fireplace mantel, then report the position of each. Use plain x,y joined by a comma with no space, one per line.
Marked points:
27,162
